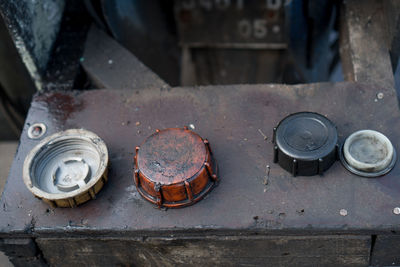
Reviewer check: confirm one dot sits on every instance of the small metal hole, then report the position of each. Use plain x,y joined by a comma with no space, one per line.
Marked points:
36,130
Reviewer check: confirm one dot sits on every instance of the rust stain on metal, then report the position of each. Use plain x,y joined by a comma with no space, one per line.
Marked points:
171,156
174,168
232,113
60,105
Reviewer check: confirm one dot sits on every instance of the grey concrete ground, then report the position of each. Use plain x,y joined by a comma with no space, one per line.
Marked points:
7,152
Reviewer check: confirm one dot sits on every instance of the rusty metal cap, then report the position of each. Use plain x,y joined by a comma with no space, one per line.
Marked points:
67,168
174,168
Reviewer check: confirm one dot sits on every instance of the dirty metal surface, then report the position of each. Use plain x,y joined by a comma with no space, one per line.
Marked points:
238,121
231,24
146,29
172,156
175,168
386,251
364,45
392,15
109,65
233,66
205,251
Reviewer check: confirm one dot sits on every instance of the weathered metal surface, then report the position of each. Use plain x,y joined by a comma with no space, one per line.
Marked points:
232,66
251,198
22,252
109,65
63,72
15,85
234,119
386,251
181,153
33,27
147,30
232,42
364,43
240,42
209,251
14,76
392,15
174,168
231,24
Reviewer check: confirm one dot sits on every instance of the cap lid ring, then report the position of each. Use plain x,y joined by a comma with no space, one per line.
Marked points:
368,150
367,169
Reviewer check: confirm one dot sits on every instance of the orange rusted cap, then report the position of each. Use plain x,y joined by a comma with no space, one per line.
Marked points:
174,168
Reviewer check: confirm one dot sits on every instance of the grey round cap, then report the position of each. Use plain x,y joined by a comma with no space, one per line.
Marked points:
67,168
368,153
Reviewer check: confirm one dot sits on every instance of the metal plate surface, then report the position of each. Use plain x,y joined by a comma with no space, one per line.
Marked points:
237,120
253,24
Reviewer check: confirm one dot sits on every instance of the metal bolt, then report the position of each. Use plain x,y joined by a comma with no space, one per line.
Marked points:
396,210
343,212
379,95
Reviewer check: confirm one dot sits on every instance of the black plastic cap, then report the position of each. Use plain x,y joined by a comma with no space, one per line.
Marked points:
305,144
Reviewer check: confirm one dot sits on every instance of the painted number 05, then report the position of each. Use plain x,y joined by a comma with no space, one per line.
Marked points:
256,28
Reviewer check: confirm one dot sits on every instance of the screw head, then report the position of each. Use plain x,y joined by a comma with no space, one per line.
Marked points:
396,211
343,212
379,95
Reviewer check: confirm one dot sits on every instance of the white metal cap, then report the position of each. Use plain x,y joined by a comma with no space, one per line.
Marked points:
368,151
